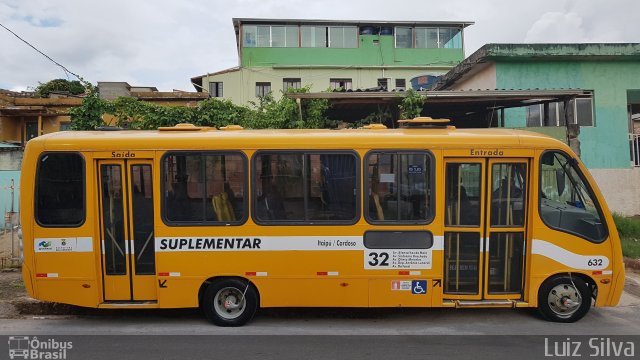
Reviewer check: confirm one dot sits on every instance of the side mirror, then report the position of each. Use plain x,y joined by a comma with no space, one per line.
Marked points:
560,178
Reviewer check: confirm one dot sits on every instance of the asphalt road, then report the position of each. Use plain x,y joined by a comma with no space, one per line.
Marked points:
330,334
335,334
621,320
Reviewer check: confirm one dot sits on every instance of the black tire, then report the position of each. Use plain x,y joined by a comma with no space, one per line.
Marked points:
242,302
558,297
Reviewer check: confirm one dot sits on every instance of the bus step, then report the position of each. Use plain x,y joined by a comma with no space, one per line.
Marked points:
129,304
485,303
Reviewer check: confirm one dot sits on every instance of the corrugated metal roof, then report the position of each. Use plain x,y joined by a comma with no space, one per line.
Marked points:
449,94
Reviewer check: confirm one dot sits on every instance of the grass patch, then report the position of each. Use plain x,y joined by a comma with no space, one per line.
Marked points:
629,230
627,226
630,247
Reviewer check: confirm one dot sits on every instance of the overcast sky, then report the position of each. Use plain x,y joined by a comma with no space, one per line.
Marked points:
164,43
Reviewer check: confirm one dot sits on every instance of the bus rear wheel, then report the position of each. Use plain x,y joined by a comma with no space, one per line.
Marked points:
564,299
230,302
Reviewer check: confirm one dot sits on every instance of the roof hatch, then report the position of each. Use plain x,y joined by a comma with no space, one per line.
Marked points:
183,127
425,122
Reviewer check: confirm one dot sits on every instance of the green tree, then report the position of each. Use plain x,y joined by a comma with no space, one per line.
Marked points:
73,87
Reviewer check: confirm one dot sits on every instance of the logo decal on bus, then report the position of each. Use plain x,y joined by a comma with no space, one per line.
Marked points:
44,244
73,244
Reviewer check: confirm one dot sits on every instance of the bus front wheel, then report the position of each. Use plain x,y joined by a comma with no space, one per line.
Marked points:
564,299
230,302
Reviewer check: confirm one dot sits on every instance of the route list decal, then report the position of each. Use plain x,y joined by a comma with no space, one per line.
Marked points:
397,259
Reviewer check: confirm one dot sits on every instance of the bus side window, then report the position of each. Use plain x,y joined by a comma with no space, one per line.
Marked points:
279,186
463,194
204,188
566,201
305,187
399,186
60,200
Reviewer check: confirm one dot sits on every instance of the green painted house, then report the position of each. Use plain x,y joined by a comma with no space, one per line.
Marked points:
277,54
604,124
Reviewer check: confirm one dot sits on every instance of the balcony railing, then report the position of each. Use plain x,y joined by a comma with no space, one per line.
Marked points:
634,140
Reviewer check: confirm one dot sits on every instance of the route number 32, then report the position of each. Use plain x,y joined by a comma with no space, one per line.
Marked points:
378,259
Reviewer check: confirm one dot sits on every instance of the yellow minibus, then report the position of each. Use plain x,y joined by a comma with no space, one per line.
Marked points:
232,220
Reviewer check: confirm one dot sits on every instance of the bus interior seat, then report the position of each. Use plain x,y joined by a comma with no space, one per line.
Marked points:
222,207
376,202
272,208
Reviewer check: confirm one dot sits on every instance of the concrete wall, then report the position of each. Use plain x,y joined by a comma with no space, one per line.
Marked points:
52,124
558,133
13,126
240,86
10,160
10,128
483,77
5,193
604,145
367,53
113,90
621,189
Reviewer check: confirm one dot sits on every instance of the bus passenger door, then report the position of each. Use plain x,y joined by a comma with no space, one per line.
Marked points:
506,228
464,228
126,229
485,228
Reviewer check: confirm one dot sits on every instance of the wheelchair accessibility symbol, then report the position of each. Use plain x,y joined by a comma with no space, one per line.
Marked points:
419,287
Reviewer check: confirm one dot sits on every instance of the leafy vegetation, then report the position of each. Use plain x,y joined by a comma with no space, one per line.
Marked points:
630,247
132,113
381,116
412,104
75,87
266,113
629,230
89,114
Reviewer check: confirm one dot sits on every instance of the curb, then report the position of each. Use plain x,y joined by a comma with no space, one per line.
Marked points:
29,306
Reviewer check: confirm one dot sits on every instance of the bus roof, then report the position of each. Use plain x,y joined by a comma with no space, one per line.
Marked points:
294,139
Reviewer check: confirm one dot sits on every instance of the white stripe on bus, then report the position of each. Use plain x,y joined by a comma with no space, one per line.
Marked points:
269,243
568,258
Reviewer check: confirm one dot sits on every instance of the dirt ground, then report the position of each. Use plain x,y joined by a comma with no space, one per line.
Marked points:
11,289
5,243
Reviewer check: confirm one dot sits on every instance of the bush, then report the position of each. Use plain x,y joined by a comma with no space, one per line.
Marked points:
268,113
411,105
627,226
629,230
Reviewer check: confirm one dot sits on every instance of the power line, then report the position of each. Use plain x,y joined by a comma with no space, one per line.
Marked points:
43,54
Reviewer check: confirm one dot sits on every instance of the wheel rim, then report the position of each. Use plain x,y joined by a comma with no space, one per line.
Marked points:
564,300
229,303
